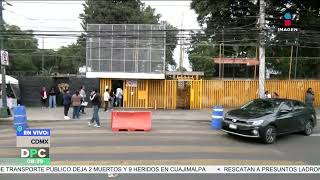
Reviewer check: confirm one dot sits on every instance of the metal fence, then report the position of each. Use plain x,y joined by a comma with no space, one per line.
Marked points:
208,93
126,48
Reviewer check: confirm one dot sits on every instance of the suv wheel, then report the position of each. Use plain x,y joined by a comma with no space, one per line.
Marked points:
308,128
269,135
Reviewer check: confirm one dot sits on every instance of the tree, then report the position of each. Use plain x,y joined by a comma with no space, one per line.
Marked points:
201,57
70,58
127,12
171,43
21,46
234,22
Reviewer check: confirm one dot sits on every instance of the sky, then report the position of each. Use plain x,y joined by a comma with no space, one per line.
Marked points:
64,15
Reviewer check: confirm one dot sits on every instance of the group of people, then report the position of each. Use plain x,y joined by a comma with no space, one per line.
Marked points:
113,99
78,102
51,95
309,97
268,95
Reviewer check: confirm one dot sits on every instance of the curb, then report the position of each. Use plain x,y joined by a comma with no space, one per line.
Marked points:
10,121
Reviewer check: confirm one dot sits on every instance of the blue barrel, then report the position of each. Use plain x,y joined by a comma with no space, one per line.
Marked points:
20,117
217,116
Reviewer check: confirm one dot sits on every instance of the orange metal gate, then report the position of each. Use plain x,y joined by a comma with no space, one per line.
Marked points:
196,94
208,93
147,93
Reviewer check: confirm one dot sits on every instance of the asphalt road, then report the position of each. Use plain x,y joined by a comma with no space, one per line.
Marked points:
174,143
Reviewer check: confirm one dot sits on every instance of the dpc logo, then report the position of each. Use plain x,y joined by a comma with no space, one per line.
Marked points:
35,153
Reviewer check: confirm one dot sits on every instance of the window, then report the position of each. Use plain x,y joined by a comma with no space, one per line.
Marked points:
298,105
261,106
286,106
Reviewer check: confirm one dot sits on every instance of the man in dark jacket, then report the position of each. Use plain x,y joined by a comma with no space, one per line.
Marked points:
309,99
66,103
96,104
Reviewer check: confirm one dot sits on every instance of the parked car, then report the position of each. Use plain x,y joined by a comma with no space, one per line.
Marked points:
268,118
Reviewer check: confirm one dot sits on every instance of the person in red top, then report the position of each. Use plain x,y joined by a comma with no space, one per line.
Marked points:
44,97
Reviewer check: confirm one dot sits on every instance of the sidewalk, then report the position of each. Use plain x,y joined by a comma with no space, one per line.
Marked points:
56,114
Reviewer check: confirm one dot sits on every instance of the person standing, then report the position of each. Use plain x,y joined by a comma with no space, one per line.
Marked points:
66,104
83,95
267,95
76,103
52,98
309,99
111,100
44,96
119,95
96,103
106,98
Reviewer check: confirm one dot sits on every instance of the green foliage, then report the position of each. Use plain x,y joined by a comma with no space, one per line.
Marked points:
234,22
20,45
171,43
201,57
183,69
70,58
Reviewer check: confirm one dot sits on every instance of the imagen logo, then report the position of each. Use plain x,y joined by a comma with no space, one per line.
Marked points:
287,19
287,23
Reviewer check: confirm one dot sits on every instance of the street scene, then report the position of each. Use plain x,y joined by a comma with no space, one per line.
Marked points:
191,83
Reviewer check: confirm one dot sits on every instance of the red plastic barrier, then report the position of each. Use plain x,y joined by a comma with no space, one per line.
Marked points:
131,121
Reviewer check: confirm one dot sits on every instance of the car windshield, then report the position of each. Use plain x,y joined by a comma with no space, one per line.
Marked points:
261,106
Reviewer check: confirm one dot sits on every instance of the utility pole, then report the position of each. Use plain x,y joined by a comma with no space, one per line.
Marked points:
296,63
262,50
4,108
290,64
42,62
222,75
220,61
181,47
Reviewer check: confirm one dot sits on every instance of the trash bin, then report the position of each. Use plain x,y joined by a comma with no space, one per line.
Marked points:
20,117
217,116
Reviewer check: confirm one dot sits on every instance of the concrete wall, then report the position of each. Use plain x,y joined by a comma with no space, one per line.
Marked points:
30,87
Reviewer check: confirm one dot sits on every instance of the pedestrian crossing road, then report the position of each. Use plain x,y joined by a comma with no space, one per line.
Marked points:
169,143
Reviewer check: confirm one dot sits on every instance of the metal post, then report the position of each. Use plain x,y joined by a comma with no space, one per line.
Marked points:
262,67
4,107
290,64
42,61
220,61
222,75
181,46
255,66
296,63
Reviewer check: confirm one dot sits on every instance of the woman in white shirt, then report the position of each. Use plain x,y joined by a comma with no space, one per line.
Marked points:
106,98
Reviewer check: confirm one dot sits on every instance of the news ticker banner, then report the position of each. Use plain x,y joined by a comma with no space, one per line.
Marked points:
39,138
160,169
